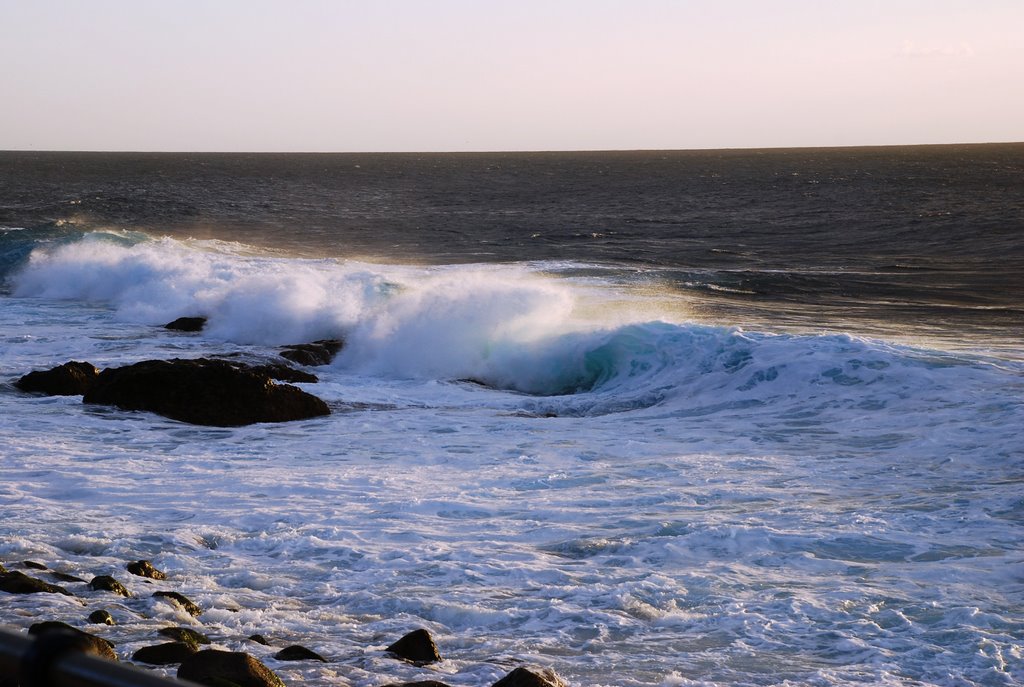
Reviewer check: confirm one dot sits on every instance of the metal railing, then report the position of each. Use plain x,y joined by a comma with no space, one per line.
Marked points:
56,659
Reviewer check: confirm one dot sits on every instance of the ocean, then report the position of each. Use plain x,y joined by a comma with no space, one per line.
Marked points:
739,417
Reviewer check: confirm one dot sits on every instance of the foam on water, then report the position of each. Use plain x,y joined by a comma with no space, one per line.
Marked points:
628,502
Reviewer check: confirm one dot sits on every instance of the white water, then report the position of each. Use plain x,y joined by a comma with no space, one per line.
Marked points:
711,506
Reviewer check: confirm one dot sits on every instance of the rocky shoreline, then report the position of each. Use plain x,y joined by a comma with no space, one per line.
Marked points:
187,652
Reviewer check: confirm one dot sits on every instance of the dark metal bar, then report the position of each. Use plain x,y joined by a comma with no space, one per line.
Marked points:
77,669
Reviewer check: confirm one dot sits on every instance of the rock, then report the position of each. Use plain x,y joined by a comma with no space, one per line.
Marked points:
64,577
259,639
34,566
521,677
95,645
182,601
2,569
15,582
163,654
420,683
316,353
70,379
212,667
203,392
184,634
106,583
145,569
284,373
417,646
298,653
187,324
101,617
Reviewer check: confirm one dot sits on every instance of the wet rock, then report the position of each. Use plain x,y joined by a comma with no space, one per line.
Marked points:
521,677
101,617
203,392
70,379
187,324
164,654
15,582
2,569
144,568
184,634
34,566
217,668
298,653
417,646
94,645
420,683
259,639
64,577
183,601
313,354
106,583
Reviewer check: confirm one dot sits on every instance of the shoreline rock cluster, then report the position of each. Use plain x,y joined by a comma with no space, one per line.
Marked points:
215,392
191,650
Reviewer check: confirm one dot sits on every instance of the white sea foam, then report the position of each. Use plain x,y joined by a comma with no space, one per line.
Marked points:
707,506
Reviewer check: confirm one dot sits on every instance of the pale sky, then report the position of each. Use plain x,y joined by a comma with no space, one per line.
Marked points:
451,75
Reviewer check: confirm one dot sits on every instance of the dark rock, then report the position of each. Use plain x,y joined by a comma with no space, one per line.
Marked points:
259,639
298,653
521,677
96,645
316,353
64,577
34,566
203,392
70,379
106,583
145,569
284,373
417,646
187,324
162,654
16,582
184,634
420,683
2,569
182,601
217,668
101,617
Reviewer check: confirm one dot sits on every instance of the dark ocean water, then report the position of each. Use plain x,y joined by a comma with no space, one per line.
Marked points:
916,241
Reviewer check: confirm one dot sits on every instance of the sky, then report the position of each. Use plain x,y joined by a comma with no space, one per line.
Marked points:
487,75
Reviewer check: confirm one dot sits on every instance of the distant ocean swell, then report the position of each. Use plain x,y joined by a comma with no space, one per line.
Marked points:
523,328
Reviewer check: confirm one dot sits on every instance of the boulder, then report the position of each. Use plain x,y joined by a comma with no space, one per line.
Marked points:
70,379
15,582
106,583
184,634
298,653
181,600
417,646
187,324
93,644
145,569
164,654
521,677
213,667
101,617
203,392
259,639
313,354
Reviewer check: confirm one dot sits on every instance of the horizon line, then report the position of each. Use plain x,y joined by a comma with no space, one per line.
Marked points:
497,151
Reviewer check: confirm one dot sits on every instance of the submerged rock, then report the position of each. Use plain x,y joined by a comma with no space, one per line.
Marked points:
15,582
70,379
34,566
101,617
187,324
417,646
106,583
521,677
203,392
313,354
164,654
182,600
64,577
144,568
184,634
92,644
213,667
298,653
259,639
